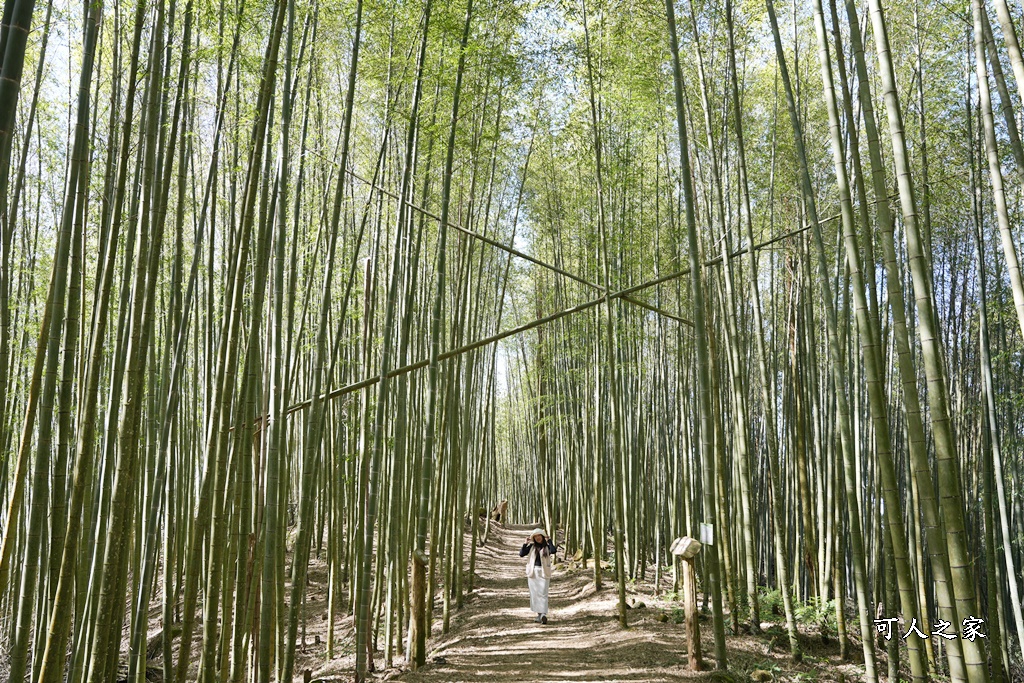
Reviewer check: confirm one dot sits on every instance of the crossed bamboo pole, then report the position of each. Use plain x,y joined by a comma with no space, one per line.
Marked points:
625,294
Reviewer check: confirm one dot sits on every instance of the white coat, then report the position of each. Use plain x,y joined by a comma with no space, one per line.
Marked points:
531,564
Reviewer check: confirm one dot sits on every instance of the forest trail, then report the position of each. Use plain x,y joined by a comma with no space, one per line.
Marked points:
283,281
494,639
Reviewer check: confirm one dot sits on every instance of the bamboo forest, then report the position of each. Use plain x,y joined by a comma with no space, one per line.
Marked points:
317,317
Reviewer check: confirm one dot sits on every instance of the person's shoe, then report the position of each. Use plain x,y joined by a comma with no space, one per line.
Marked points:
538,619
544,619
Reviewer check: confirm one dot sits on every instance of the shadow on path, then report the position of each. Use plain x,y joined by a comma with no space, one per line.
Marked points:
494,638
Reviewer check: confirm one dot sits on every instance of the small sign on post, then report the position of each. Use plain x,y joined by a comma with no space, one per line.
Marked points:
687,548
707,533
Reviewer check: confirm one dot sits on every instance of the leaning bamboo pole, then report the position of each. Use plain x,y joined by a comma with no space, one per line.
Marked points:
705,406
838,371
949,484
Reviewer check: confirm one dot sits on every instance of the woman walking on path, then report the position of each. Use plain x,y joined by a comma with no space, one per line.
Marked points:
539,549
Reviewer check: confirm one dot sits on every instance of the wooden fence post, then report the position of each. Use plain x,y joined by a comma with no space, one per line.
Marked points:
688,548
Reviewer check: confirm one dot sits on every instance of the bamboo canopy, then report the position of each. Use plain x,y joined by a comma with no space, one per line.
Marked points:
309,310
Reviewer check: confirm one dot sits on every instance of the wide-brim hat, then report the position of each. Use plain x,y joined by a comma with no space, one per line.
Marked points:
536,532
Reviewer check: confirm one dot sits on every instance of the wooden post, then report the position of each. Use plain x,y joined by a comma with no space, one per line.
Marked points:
687,548
690,608
418,624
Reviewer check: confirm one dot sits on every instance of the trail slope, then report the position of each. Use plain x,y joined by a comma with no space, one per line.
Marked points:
494,638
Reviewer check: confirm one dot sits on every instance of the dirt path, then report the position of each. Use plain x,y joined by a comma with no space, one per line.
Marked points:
494,639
